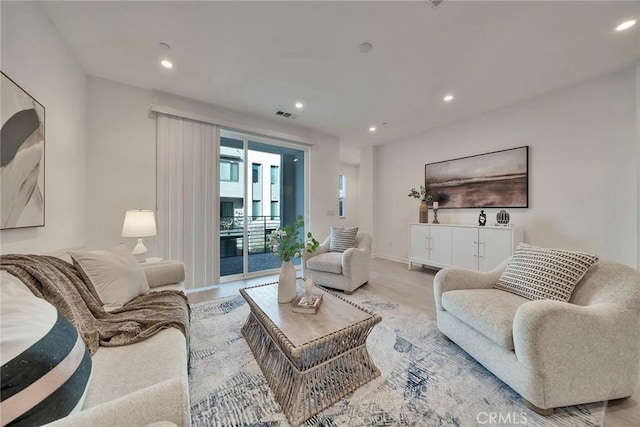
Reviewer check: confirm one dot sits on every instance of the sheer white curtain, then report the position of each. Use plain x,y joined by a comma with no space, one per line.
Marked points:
187,196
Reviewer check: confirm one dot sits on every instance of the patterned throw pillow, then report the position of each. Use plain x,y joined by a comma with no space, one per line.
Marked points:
343,238
46,366
539,273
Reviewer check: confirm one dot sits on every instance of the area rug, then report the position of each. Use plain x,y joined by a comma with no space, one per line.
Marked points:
425,380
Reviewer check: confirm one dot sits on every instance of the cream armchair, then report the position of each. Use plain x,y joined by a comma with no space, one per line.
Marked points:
346,270
552,353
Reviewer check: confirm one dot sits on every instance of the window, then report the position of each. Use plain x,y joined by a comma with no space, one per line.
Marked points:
274,175
229,171
255,172
226,210
256,209
342,192
275,210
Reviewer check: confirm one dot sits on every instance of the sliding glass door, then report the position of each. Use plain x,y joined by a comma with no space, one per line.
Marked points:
261,189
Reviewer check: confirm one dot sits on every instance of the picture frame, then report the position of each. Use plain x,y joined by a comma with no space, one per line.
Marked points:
499,179
22,157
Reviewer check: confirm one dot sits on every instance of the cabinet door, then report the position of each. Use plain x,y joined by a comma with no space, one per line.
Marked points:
464,251
494,246
419,243
440,245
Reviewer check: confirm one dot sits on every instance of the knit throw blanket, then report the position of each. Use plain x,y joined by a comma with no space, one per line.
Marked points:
59,283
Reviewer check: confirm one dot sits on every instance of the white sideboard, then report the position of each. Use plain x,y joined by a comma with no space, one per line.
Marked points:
468,246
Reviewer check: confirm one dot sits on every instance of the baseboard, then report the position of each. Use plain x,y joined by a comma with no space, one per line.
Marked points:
391,258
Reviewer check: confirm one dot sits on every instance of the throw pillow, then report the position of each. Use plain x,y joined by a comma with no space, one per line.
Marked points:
114,276
540,273
343,238
46,367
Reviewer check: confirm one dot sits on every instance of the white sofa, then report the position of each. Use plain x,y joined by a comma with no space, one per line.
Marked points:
346,270
143,383
552,353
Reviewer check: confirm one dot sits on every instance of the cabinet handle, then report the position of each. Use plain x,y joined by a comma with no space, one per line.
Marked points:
485,249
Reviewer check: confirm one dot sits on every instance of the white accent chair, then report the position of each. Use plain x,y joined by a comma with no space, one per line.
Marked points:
346,270
552,353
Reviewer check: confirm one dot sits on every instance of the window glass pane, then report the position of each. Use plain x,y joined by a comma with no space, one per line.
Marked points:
256,208
235,168
225,171
232,204
255,173
272,171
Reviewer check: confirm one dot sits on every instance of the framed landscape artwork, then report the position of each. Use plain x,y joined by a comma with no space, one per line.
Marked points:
21,158
494,180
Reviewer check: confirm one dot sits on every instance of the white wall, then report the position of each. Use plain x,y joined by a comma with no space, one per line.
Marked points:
35,56
121,157
368,191
121,160
352,196
638,141
583,166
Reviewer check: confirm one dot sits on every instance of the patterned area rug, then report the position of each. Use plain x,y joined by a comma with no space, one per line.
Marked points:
425,380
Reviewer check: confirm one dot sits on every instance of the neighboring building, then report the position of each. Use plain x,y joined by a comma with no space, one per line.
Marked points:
263,199
263,193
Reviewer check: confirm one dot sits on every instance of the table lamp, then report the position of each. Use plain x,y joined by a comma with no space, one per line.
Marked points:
139,223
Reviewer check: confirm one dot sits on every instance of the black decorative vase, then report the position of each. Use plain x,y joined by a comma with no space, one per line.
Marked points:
502,217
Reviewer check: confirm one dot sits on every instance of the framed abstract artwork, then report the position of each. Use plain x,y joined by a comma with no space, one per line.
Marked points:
22,141
493,180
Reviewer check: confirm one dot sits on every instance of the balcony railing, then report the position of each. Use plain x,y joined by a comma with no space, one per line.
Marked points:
258,230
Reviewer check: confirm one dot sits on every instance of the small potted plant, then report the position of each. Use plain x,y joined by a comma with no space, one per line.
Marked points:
425,199
286,244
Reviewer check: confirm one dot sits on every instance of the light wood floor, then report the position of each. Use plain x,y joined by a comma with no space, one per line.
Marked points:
414,288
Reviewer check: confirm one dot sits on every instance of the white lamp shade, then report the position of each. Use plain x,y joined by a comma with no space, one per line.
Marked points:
139,223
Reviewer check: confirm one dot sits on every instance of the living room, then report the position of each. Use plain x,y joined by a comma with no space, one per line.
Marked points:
584,150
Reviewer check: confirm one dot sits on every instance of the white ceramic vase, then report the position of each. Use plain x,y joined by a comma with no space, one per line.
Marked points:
286,283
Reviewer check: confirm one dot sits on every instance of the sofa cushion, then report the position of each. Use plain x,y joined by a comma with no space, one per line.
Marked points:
540,273
488,311
164,273
114,276
343,238
46,366
119,371
63,253
331,262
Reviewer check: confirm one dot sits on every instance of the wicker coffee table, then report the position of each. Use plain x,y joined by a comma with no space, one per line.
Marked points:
310,361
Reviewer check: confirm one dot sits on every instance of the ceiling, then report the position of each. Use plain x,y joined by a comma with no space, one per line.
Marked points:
260,57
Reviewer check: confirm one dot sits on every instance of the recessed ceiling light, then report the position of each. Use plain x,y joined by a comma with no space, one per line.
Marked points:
365,47
625,25
448,98
372,129
166,63
299,105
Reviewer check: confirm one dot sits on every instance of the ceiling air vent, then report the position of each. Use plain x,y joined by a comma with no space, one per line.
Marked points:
285,114
434,3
